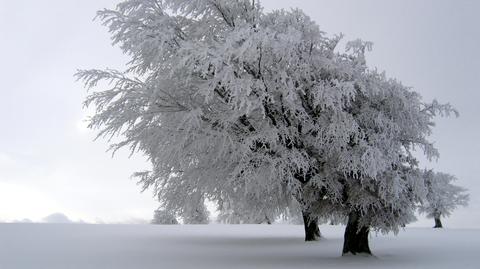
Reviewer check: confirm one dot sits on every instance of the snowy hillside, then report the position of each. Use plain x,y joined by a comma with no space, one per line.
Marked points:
84,246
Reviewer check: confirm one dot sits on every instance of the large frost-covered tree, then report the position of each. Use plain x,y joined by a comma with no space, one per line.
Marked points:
241,107
442,196
211,93
384,184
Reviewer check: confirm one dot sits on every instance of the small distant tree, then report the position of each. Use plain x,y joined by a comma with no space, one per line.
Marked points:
195,212
442,196
236,217
161,216
252,204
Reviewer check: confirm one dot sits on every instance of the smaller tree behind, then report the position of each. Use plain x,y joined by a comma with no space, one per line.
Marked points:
442,196
195,212
161,216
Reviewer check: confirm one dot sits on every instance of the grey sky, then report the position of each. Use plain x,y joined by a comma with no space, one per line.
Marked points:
48,162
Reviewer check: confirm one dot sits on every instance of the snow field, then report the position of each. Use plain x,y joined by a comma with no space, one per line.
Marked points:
66,246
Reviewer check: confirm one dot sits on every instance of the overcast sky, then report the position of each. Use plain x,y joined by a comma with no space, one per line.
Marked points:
49,162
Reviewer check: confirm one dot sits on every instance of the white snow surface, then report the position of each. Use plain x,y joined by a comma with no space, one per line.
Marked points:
85,246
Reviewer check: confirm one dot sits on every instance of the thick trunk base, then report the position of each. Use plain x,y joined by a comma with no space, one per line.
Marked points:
356,238
438,223
312,232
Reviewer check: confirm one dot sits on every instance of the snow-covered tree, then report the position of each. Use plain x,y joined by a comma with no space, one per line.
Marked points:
195,211
252,211
383,183
208,94
236,105
442,196
161,216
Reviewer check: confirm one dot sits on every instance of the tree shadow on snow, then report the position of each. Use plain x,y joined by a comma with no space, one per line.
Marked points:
266,251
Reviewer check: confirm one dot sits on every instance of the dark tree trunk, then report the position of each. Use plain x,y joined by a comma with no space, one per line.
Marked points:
436,217
438,223
310,223
356,238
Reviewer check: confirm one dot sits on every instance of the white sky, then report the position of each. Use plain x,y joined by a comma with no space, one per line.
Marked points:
49,163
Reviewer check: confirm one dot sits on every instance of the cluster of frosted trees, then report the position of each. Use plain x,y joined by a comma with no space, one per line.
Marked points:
261,114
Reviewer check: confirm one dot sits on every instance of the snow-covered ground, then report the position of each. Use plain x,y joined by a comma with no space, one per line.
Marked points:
65,246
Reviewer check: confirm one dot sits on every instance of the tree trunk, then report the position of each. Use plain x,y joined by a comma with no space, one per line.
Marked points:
356,238
436,217
310,223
